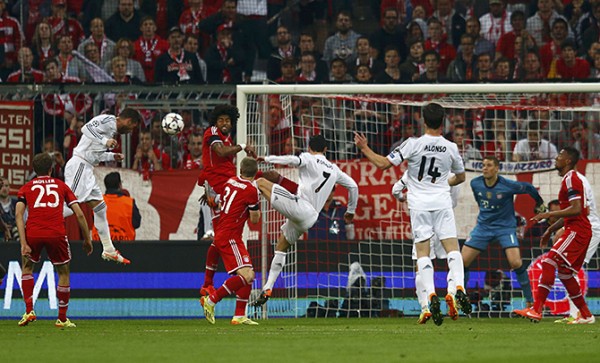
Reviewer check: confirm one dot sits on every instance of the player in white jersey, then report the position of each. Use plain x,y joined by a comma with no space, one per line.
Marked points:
431,158
317,177
98,135
594,219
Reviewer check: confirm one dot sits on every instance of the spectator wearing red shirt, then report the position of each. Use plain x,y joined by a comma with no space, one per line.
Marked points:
437,41
191,17
149,47
11,36
569,67
551,51
506,44
192,159
26,73
42,45
62,24
149,158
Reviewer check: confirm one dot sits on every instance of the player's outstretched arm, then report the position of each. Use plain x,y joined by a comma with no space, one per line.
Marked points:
85,231
379,161
223,151
19,213
347,182
292,160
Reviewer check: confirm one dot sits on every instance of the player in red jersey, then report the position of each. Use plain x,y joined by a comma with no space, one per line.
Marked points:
239,203
568,252
44,198
218,152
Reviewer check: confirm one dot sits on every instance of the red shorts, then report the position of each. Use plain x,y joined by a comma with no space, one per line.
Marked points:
233,252
58,249
570,249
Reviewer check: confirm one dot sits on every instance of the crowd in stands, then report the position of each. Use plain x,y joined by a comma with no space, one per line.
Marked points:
230,41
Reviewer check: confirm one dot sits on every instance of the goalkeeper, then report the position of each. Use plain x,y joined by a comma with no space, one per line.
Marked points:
496,221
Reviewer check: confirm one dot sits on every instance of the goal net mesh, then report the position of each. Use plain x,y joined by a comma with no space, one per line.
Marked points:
331,273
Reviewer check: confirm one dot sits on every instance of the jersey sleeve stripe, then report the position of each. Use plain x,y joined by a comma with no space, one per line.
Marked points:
93,132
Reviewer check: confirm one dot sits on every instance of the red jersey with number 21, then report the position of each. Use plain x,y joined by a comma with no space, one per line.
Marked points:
44,197
239,197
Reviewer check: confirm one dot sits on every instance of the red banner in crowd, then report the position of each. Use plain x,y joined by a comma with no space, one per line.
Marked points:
16,141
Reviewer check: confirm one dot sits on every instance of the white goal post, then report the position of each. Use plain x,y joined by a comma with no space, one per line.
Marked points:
486,112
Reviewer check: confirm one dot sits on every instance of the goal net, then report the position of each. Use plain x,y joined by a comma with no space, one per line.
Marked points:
334,272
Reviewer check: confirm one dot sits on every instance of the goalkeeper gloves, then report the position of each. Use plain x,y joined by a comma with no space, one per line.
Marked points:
540,208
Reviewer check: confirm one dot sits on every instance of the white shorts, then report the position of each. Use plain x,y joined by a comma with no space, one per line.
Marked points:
425,224
436,249
79,176
593,245
300,214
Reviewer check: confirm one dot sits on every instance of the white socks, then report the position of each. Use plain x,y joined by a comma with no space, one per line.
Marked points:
101,224
456,270
422,297
276,267
426,271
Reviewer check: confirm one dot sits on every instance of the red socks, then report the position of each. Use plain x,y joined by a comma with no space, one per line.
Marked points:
232,285
63,293
212,262
27,286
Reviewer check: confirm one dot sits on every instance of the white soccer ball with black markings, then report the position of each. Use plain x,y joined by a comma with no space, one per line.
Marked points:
172,123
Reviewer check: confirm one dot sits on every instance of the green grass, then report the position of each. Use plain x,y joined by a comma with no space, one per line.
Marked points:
301,340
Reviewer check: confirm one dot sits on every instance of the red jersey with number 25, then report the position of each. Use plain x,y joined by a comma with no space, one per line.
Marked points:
571,188
44,197
217,169
239,197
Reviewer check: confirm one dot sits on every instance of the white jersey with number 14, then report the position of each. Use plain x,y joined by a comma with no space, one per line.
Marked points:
431,159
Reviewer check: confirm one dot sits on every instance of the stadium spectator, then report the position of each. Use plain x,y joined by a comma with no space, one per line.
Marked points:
122,213
539,25
506,44
568,252
62,24
11,38
533,147
231,248
341,44
437,42
166,13
105,46
484,71
191,44
58,161
499,144
453,24
42,44
532,68
176,65
255,13
496,23
225,59
432,73
307,44
284,49
308,69
413,66
7,212
191,17
26,73
149,47
463,67
339,72
32,14
192,158
362,74
569,67
586,140
72,136
124,23
550,53
288,72
91,69
46,230
414,30
480,44
496,222
69,65
149,158
125,49
119,71
391,73
502,71
313,18
591,52
466,150
390,33
590,27
364,57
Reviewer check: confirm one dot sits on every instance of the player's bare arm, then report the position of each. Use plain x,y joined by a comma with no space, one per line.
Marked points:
223,151
550,230
457,179
572,210
254,216
379,161
19,213
85,230
119,157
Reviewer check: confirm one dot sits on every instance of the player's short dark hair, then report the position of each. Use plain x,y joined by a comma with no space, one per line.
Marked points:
248,167
573,154
493,159
225,109
42,163
132,114
317,143
433,113
553,202
112,180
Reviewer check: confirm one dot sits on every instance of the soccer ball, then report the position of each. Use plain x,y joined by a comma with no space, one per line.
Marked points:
172,123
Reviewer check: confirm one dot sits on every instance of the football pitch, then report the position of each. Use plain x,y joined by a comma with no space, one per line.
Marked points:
302,340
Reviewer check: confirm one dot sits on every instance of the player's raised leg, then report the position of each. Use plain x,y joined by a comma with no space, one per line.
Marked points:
109,252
